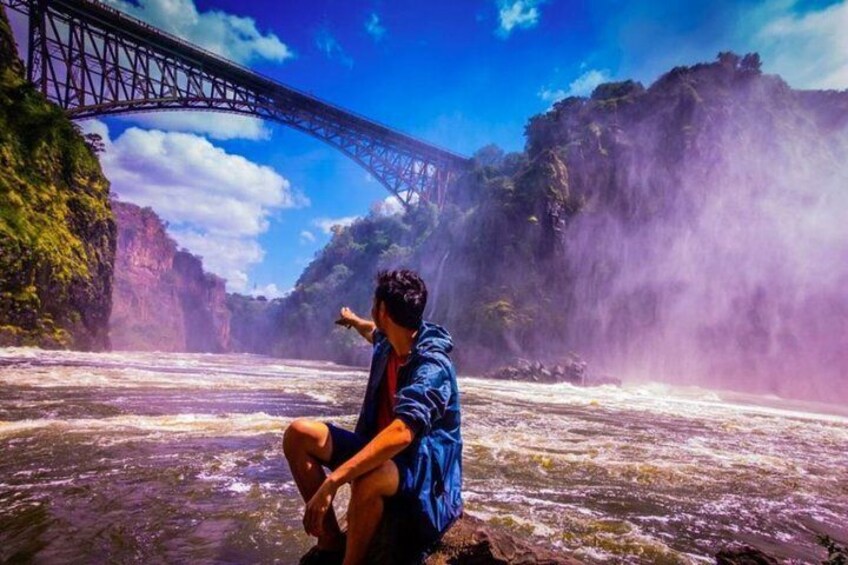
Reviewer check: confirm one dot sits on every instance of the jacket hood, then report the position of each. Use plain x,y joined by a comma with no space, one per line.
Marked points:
432,339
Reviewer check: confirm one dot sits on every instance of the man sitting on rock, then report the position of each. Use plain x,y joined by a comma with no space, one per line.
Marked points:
406,453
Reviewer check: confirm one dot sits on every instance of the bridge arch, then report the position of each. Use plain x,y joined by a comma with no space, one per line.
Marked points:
93,60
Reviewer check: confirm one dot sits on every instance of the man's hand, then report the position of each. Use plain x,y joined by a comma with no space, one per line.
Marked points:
317,507
346,317
350,320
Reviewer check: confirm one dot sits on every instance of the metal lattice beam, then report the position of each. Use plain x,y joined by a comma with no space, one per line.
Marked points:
93,60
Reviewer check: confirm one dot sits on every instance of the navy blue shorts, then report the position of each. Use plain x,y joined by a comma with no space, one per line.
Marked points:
346,444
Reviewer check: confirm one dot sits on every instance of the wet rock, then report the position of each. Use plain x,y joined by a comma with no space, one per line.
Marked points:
569,369
472,541
469,541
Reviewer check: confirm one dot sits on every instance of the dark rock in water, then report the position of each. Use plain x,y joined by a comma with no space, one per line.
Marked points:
569,369
744,555
472,541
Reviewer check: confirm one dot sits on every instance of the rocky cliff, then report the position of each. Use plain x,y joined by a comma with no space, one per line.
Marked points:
57,235
691,231
163,299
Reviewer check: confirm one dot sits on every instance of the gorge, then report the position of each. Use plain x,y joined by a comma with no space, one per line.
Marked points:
681,247
685,232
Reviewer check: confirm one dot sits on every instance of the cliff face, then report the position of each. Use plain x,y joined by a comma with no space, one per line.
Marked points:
57,235
163,299
692,231
203,298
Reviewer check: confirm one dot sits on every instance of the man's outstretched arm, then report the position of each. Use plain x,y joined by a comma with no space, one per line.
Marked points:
350,320
393,439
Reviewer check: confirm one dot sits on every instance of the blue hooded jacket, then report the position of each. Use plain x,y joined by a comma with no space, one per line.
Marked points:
427,400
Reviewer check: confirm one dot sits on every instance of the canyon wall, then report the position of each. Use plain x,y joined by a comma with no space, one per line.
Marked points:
163,299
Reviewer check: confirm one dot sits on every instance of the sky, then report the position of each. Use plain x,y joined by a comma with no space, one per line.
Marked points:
257,200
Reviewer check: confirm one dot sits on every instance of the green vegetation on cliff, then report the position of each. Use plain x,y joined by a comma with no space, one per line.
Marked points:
343,273
57,235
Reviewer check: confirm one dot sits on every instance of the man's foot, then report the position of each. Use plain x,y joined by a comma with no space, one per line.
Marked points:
318,556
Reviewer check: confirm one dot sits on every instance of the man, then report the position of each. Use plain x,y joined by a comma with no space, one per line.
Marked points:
406,450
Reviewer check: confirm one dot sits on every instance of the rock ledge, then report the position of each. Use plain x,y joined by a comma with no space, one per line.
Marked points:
473,541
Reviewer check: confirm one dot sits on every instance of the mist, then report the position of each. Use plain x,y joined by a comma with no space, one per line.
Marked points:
692,232
720,256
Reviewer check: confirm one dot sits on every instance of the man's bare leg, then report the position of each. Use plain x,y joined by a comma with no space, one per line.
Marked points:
306,443
366,509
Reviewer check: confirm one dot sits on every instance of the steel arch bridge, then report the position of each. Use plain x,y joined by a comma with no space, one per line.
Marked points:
93,60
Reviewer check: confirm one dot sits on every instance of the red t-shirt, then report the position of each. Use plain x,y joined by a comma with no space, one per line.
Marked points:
387,390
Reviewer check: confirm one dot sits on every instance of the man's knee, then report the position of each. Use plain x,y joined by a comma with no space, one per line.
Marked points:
305,436
382,481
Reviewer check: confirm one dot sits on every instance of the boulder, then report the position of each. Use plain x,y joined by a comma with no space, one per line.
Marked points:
472,541
468,541
569,369
743,555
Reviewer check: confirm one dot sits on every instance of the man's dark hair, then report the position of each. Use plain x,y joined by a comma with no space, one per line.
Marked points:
405,296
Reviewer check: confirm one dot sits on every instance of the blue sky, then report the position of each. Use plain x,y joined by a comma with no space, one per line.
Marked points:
256,199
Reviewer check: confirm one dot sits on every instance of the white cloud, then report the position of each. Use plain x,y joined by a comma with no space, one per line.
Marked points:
374,27
549,95
326,224
269,291
391,206
581,86
307,236
216,203
808,50
521,14
186,179
806,44
327,43
229,257
234,37
99,128
216,125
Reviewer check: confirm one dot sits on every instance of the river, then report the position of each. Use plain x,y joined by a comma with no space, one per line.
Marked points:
177,457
